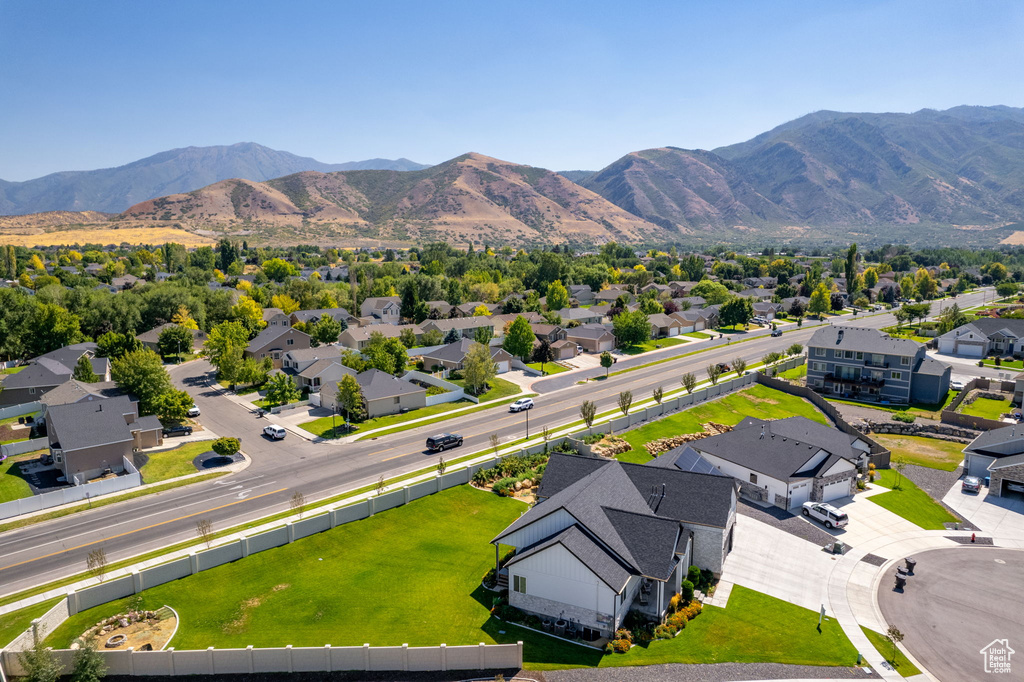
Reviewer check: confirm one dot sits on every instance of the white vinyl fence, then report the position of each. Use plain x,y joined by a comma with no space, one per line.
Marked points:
75,493
455,392
21,447
20,410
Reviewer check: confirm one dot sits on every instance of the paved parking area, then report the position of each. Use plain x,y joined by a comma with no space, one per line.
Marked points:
957,603
999,516
868,521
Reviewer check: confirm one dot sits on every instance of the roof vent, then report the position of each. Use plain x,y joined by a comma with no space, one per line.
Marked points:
839,337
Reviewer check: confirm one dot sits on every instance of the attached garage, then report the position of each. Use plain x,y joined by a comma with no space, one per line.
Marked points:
799,493
836,490
977,465
969,349
502,365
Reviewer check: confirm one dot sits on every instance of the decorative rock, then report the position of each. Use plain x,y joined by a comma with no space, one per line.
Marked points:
518,486
656,447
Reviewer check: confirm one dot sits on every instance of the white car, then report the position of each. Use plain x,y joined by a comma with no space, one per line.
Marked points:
828,515
274,432
193,411
521,404
956,385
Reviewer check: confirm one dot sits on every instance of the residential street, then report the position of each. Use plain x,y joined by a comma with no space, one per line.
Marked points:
47,551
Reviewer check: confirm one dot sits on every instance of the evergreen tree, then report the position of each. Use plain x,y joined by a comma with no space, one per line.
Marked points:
83,371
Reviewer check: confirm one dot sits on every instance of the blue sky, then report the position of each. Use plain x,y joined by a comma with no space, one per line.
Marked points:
563,85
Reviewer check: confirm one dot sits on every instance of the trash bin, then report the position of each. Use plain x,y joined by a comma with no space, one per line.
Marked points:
987,479
911,563
901,580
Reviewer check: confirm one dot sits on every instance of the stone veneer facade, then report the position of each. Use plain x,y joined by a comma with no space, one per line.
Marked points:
820,483
1014,473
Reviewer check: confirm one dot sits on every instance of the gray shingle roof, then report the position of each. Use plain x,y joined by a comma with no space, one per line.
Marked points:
89,424
588,331
991,325
1002,442
307,315
72,391
862,339
929,365
685,458
376,384
269,335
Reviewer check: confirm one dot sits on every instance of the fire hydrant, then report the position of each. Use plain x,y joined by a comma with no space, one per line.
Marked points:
972,537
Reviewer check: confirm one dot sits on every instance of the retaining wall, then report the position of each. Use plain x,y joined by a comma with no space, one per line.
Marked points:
967,421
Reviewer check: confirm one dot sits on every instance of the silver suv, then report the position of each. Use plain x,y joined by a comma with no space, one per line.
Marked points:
521,404
828,515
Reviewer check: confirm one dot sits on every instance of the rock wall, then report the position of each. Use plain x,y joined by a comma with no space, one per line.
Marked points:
938,431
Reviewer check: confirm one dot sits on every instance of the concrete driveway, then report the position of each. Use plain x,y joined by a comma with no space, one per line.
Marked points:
778,563
998,516
868,521
958,602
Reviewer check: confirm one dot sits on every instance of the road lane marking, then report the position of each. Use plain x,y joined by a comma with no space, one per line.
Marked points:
137,530
397,456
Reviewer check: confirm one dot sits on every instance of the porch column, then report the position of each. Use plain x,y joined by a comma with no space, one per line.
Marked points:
661,597
497,560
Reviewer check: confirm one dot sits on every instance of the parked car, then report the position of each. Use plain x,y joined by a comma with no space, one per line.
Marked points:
579,349
274,432
956,385
724,366
521,404
971,484
828,515
776,332
180,430
443,441
193,411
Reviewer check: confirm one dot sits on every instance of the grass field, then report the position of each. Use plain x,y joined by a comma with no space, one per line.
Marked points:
500,388
757,401
108,235
910,502
697,335
549,367
14,623
795,373
12,485
13,370
987,408
417,581
883,646
926,452
653,344
173,463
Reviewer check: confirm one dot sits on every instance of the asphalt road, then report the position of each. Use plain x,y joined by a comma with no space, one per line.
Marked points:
51,550
957,602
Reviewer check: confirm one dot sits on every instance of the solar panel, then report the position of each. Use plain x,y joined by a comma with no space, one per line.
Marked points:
690,460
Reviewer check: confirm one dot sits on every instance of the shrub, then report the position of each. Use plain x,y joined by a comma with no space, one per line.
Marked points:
861,485
436,390
226,447
707,576
677,620
609,649
505,486
674,603
692,609
621,646
490,578
509,614
903,417
687,591
693,575
532,622
663,632
624,633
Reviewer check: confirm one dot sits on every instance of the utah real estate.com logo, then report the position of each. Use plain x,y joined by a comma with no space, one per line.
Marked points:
997,656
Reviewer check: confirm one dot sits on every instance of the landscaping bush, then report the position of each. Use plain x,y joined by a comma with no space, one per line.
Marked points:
663,632
509,614
505,486
624,633
692,609
687,591
861,485
621,646
674,603
693,575
532,622
593,438
707,577
565,446
226,446
437,390
490,578
677,621
903,417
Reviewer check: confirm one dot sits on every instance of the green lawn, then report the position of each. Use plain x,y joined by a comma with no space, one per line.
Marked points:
16,622
697,335
425,589
987,408
12,485
653,344
757,401
13,370
1006,364
173,463
500,388
926,452
795,373
753,627
882,644
549,367
910,502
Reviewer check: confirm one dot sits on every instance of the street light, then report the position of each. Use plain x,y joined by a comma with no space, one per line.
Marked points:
527,424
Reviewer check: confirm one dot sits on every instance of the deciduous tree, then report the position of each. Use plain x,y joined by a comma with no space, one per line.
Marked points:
519,339
281,389
607,361
478,368
350,397
142,374
83,371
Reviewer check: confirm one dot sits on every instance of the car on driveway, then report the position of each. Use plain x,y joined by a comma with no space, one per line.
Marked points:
971,484
193,411
825,513
521,404
274,432
180,430
443,441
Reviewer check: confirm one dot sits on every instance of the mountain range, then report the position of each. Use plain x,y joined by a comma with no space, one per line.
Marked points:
113,190
953,177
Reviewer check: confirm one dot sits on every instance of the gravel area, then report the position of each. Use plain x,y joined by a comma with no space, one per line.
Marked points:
874,559
937,483
718,672
783,520
967,541
852,413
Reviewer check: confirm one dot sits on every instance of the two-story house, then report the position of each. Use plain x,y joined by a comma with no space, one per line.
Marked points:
384,310
866,364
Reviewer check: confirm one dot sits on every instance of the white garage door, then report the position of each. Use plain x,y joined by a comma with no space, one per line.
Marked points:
977,465
799,494
502,366
971,350
836,490
605,345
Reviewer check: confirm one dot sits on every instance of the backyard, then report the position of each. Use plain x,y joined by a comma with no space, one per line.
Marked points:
988,408
14,623
923,410
12,432
173,463
12,485
910,502
652,344
433,553
926,452
760,402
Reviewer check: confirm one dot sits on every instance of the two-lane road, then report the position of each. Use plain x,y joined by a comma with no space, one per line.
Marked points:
50,550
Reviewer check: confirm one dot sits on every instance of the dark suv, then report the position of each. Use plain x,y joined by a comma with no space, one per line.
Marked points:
443,441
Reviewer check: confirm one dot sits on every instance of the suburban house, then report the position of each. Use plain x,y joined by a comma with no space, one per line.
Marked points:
547,332
275,317
985,336
658,289
383,394
314,367
443,308
468,309
581,315
564,349
48,371
151,339
383,309
681,288
693,301
72,391
453,355
89,438
998,455
689,321
594,338
663,325
866,364
606,537
767,309
611,295
756,294
273,342
313,316
765,282
357,337
583,294
787,462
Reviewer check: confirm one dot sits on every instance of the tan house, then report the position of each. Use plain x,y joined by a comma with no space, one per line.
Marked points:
356,338
151,339
275,317
274,342
454,354
383,394
594,338
564,349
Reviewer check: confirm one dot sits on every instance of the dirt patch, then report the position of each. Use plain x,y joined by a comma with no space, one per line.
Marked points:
152,632
758,399
283,586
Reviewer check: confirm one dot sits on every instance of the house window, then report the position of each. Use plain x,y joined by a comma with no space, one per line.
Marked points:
753,478
849,355
897,375
905,361
31,391
820,352
398,401
291,342
819,366
519,584
859,355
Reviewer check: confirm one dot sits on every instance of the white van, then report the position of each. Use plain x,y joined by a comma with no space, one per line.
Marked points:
274,432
